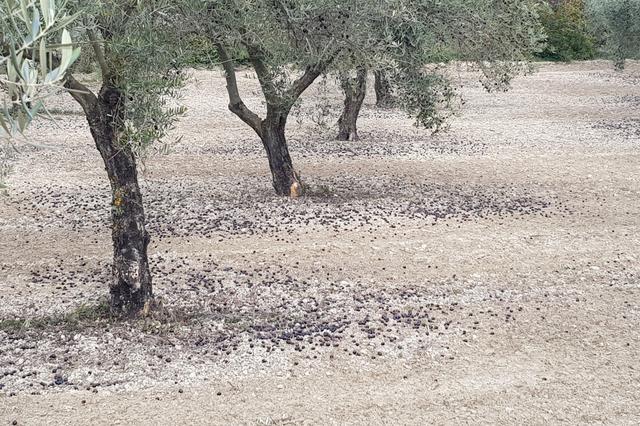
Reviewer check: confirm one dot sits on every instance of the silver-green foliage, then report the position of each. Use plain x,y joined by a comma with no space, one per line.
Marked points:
137,48
401,36
495,37
286,37
31,35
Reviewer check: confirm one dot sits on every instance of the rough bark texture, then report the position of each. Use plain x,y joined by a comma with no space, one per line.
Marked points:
130,285
354,90
384,97
285,180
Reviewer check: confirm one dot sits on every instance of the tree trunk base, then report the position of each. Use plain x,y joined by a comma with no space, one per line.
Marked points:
349,135
286,181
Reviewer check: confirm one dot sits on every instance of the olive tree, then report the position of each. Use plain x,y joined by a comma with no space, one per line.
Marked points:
497,37
620,24
289,44
355,89
134,44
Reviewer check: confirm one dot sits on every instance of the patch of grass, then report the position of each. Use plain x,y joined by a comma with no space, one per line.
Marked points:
320,191
155,319
65,112
81,317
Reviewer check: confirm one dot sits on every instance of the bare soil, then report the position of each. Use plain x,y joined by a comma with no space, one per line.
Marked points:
486,275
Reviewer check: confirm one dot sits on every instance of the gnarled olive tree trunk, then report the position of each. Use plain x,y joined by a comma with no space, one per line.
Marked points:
384,96
285,178
130,284
354,90
271,130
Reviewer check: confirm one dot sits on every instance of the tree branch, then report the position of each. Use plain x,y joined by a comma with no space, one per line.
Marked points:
264,76
236,105
81,94
311,73
102,62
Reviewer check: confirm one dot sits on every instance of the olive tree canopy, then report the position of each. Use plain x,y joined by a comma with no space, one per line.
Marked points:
497,38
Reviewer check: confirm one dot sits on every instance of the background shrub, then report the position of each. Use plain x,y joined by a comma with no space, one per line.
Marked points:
569,36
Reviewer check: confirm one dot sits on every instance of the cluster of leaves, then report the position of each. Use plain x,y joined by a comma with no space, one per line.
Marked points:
569,32
137,46
496,37
200,51
36,52
288,36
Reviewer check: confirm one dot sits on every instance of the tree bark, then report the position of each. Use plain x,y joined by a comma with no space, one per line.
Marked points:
285,179
354,90
384,97
130,285
271,130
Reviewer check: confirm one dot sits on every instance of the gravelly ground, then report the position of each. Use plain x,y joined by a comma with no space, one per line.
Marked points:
488,274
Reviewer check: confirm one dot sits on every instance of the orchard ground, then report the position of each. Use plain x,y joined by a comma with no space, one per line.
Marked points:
488,274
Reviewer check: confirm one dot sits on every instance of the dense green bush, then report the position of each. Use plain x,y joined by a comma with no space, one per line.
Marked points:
568,31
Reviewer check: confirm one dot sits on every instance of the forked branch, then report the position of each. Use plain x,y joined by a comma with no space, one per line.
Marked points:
236,105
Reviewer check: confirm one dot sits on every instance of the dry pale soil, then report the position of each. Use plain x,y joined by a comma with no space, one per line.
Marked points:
485,275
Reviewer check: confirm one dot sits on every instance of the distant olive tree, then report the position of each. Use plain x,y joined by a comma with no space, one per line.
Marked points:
384,93
497,37
355,89
135,46
620,24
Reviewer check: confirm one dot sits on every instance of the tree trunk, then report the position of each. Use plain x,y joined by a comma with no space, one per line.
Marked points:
619,61
354,91
285,179
384,97
130,285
